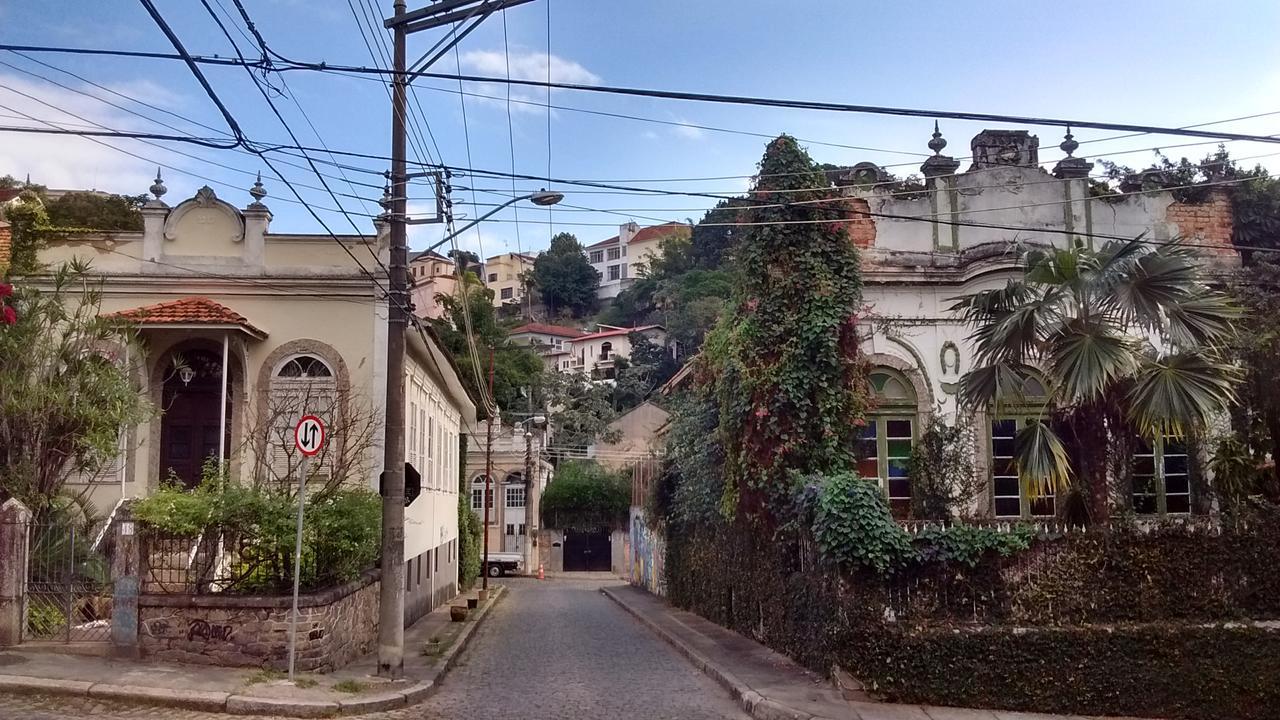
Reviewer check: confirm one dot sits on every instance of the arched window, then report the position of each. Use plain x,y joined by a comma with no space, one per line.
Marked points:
477,494
884,451
302,385
1014,412
304,366
606,349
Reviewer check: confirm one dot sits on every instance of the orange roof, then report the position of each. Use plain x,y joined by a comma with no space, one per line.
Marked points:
611,332
654,232
544,329
188,311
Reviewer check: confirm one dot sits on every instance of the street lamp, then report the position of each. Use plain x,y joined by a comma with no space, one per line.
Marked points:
541,198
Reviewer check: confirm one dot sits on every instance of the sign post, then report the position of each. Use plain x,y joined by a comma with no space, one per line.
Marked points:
308,436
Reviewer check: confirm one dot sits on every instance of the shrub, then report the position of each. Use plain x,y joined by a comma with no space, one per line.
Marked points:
854,528
970,544
583,494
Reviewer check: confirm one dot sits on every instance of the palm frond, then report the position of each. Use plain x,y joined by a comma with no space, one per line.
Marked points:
1203,318
990,385
1042,460
1087,357
1179,391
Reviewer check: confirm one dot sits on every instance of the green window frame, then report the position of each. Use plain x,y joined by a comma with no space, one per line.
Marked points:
1161,477
1009,499
884,448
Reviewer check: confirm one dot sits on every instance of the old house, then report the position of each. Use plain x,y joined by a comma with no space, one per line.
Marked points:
243,330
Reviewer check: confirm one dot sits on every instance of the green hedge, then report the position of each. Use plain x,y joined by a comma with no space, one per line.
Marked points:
770,587
1174,670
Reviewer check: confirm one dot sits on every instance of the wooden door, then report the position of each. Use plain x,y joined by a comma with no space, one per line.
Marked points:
189,426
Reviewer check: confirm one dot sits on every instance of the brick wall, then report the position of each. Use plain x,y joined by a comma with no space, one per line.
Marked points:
862,228
1209,222
334,627
6,245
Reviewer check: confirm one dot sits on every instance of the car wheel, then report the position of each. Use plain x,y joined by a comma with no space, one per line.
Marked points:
495,571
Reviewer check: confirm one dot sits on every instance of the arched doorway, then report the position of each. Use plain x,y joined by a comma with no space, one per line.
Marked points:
191,419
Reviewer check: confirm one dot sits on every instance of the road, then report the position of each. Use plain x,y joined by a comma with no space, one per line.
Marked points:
549,650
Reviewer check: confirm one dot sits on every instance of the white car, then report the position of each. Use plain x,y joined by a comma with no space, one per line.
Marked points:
505,563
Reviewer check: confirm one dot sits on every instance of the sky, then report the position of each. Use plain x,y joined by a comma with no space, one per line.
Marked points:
1156,63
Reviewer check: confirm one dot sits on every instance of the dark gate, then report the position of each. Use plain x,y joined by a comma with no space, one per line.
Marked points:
587,551
68,585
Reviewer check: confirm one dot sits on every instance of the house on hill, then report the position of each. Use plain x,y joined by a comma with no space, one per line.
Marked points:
620,259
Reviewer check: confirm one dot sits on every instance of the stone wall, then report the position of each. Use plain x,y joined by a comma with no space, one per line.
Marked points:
335,626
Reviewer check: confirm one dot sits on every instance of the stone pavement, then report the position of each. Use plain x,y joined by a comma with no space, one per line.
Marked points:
769,685
93,683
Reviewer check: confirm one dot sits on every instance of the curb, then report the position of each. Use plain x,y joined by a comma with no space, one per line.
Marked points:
755,704
230,703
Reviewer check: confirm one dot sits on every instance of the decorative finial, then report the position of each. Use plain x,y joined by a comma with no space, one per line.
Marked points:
257,191
1069,145
938,142
157,188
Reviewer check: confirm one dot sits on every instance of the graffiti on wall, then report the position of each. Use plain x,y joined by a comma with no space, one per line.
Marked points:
648,550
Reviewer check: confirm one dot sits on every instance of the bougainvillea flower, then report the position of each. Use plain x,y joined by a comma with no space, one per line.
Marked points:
5,290
8,316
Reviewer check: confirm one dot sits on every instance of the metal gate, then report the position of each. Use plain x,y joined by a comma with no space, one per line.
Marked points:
587,551
68,586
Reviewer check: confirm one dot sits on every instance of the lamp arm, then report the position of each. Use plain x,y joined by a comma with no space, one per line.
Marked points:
478,220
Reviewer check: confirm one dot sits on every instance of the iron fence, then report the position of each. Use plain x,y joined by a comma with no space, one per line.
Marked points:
233,562
69,585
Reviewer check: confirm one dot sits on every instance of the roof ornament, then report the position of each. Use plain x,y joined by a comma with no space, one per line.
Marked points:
157,188
1070,166
257,191
939,164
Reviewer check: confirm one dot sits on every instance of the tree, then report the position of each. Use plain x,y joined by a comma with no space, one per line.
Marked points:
517,368
789,379
565,280
649,366
579,410
583,494
94,211
1129,340
65,394
713,237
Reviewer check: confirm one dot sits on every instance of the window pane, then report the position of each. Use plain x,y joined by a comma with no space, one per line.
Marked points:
1004,428
868,468
1042,506
1178,504
1006,485
1175,464
1144,485
1007,507
1002,448
1174,446
899,448
869,430
1004,466
898,428
1144,465
1144,503
1176,485
899,488
898,468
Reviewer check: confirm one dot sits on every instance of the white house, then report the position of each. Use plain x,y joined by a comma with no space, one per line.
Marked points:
621,258
594,353
551,341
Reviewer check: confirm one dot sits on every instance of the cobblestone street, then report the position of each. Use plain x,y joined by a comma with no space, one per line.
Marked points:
550,650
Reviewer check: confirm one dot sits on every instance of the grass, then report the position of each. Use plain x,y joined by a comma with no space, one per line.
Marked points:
264,676
349,686
306,682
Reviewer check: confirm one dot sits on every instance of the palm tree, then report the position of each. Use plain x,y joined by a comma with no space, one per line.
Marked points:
1127,341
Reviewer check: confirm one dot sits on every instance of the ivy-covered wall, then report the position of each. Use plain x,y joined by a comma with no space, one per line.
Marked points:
1120,623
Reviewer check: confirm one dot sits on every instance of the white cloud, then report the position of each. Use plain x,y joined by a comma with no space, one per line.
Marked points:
65,161
650,135
687,131
525,65
148,92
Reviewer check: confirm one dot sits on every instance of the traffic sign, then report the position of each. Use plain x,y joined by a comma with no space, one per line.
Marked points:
308,435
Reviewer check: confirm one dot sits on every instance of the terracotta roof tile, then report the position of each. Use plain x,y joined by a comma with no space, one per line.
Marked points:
544,329
187,311
654,232
612,332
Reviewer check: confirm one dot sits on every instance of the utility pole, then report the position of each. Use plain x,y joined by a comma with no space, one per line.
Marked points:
465,16
391,589
488,484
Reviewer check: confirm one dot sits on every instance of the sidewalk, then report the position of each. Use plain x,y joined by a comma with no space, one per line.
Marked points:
769,685
352,690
